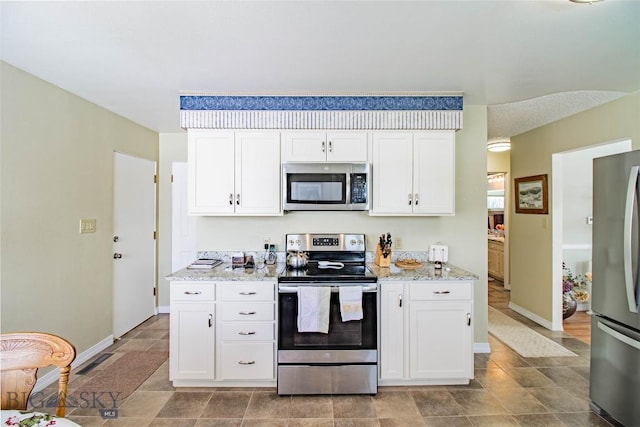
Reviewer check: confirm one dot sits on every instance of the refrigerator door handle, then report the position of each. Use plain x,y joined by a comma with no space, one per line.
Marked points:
617,335
628,227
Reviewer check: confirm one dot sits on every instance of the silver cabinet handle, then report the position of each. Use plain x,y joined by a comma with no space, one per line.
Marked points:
210,320
627,253
253,362
323,146
231,198
441,292
247,293
117,256
416,198
238,199
468,319
192,292
247,313
410,200
330,146
399,300
247,333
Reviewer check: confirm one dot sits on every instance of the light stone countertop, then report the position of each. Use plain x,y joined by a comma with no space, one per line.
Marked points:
495,238
427,272
224,273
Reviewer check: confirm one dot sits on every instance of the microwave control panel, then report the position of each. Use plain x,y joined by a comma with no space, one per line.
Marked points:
358,188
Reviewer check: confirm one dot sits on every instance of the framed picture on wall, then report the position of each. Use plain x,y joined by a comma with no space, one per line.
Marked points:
531,194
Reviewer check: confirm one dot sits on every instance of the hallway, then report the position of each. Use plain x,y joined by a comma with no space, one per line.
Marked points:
577,326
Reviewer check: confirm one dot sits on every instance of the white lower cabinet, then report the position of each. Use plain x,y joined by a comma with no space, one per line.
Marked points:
222,334
192,332
436,346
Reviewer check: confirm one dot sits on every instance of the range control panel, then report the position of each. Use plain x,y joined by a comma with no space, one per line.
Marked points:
328,242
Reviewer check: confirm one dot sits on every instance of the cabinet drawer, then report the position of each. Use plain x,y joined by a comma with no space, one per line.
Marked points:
440,291
248,311
192,291
247,292
250,361
248,331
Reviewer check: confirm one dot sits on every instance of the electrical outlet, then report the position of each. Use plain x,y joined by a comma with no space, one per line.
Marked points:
397,243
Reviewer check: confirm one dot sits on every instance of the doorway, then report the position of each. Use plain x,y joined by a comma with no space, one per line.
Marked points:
572,199
134,244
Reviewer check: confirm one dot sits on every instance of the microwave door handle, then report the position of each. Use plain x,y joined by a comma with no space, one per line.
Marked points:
347,190
630,204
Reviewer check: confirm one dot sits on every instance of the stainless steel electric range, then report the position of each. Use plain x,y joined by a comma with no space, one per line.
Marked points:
342,360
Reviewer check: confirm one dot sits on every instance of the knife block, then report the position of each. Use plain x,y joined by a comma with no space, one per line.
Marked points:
380,260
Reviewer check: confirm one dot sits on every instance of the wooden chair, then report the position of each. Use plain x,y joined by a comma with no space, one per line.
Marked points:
21,354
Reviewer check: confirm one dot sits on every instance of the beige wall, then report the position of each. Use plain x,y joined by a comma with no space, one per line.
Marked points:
57,161
465,233
499,162
531,235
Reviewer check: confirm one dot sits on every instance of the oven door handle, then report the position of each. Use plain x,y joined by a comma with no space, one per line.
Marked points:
334,289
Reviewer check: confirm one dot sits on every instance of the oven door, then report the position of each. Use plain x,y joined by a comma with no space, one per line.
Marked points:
351,335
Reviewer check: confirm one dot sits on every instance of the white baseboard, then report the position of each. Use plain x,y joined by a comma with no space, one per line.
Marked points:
164,309
531,316
481,347
52,376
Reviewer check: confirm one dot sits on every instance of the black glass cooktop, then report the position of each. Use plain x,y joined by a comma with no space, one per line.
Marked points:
329,272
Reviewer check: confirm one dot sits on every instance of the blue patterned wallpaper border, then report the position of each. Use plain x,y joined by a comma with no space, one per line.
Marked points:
320,103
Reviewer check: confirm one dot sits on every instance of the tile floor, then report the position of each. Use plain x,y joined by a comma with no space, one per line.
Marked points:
508,390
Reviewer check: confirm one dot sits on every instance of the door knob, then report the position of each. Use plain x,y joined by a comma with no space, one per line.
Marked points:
117,256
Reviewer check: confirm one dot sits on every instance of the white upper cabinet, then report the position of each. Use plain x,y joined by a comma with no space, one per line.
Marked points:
413,173
234,173
321,146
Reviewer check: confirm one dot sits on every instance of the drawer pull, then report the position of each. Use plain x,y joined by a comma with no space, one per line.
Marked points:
247,333
253,362
192,292
247,313
399,300
468,319
248,293
210,320
441,292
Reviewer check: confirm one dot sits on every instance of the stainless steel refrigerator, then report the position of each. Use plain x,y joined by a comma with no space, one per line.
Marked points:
615,325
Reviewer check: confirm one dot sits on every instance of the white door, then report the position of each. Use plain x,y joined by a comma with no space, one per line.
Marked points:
183,225
134,212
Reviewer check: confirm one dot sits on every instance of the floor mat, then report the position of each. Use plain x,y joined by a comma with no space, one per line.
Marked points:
121,378
522,339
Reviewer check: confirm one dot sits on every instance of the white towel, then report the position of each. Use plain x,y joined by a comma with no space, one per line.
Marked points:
350,302
313,308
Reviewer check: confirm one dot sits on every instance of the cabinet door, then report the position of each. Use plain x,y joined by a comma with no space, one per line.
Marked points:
434,172
192,348
347,147
257,178
392,188
304,146
211,172
392,345
440,334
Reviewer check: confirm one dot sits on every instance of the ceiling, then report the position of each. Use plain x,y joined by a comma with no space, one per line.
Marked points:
530,62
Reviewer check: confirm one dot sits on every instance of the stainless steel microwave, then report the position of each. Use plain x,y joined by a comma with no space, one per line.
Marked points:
325,186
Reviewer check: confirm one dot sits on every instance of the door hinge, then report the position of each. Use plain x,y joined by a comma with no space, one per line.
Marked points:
155,179
171,177
154,292
155,235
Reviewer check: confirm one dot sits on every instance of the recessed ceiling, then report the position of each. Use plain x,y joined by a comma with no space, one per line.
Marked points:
530,62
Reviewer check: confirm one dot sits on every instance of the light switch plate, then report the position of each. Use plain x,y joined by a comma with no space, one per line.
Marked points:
87,226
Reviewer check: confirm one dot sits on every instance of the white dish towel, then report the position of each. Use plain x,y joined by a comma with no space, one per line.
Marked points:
350,302
313,308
